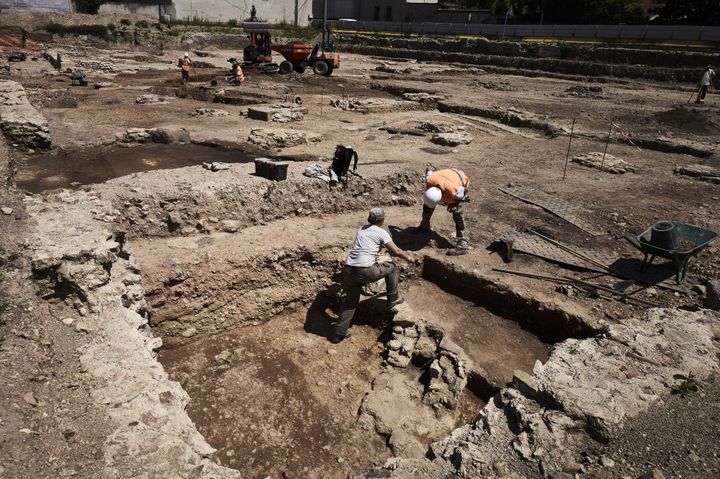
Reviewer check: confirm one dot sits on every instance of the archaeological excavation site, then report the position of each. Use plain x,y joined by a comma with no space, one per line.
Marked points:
186,211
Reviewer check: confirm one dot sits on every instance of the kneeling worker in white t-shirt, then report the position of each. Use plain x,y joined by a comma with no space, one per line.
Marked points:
362,267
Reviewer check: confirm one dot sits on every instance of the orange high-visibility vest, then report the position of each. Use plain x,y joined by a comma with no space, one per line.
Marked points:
239,75
449,181
185,65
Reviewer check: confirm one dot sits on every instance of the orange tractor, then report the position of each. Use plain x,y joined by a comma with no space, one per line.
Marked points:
322,57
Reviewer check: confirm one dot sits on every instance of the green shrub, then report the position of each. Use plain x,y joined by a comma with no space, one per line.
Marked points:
62,30
125,22
142,24
111,27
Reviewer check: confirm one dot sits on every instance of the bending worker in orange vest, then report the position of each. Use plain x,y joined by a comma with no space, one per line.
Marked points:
237,71
448,187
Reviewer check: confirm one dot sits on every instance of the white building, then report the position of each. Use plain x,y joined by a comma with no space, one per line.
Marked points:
273,11
60,6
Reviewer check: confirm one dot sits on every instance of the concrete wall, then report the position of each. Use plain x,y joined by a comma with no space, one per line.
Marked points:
395,11
62,6
273,11
130,7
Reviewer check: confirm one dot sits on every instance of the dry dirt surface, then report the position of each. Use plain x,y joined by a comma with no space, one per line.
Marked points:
165,310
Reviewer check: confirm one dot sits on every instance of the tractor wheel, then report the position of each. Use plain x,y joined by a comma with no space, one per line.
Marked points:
330,69
321,68
299,68
285,67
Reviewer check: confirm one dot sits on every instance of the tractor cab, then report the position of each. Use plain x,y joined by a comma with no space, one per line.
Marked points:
259,51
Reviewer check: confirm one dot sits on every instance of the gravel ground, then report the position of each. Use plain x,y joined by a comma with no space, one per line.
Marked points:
678,438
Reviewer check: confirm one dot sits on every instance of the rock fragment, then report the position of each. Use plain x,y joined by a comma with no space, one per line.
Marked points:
20,122
610,163
268,139
451,139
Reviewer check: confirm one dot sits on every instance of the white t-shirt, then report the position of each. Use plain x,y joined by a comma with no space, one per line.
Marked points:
707,76
369,240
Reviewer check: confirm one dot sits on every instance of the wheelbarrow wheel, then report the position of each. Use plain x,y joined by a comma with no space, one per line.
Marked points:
321,68
285,67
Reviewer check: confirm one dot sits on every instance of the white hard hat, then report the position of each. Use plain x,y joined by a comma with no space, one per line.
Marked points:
187,54
432,197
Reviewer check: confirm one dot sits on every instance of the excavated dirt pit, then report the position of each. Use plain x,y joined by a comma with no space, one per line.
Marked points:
277,399
495,345
66,169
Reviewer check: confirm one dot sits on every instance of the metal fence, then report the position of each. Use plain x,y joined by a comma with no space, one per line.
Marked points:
599,32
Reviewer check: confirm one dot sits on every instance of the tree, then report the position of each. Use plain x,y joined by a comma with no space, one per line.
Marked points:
88,6
689,12
594,11
569,12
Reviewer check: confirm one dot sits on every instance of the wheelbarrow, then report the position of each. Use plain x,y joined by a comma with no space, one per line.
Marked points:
672,240
78,76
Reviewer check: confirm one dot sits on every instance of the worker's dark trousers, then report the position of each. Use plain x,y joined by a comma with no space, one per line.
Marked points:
185,76
457,217
354,279
702,93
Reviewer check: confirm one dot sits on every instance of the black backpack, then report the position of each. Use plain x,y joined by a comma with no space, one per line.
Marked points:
342,160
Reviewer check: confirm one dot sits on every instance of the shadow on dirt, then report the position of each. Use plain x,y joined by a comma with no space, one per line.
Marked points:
322,314
414,239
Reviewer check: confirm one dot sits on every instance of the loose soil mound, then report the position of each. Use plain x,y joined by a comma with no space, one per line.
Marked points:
691,120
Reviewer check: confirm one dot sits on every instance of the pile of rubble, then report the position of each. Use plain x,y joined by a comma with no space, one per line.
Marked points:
587,389
167,135
413,340
387,68
208,112
706,173
584,91
372,105
151,99
280,113
95,66
20,122
451,139
422,97
606,162
268,139
501,86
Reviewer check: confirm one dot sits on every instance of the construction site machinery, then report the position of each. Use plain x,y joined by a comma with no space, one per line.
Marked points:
298,56
259,53
322,58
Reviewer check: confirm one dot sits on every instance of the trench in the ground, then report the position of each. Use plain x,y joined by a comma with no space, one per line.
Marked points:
91,165
276,398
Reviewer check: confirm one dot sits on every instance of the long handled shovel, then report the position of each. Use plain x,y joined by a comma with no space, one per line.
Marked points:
694,93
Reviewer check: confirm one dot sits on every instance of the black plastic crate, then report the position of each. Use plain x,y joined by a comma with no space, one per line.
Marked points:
260,167
277,170
271,169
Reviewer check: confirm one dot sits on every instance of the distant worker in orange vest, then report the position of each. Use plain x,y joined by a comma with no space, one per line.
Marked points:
237,72
185,64
448,187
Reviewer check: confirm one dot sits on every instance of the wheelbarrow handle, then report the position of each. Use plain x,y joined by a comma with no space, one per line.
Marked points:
632,241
